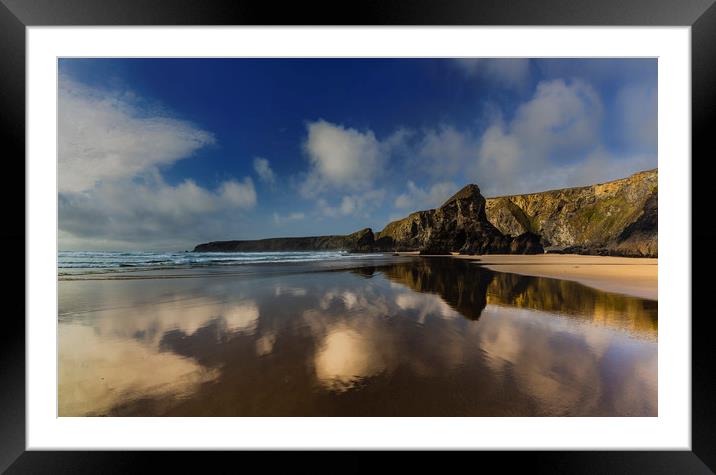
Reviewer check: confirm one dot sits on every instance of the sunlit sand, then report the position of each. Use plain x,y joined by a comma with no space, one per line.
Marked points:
637,277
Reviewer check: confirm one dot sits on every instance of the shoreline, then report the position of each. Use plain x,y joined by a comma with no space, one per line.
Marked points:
633,276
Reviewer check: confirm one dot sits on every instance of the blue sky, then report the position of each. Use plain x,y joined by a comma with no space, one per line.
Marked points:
166,153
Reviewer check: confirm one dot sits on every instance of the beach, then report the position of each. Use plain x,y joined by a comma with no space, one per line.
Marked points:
626,275
637,277
377,335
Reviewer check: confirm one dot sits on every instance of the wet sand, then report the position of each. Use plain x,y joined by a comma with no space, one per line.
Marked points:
637,277
373,337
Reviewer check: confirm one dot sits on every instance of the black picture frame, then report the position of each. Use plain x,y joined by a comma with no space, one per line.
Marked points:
16,15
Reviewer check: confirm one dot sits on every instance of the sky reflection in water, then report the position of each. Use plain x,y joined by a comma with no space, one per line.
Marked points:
424,337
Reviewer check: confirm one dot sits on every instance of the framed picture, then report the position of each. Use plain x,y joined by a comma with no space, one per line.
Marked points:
428,228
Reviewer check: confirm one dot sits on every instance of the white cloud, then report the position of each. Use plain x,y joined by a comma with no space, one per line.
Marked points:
348,205
511,73
238,194
263,169
144,214
445,151
111,192
549,137
559,124
416,198
280,220
500,153
341,158
102,136
359,204
560,117
553,140
601,165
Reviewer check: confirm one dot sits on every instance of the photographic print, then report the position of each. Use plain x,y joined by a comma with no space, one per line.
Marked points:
357,237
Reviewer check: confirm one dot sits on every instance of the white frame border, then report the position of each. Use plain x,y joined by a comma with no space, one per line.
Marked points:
670,430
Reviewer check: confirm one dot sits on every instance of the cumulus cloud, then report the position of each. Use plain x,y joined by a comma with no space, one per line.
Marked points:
238,194
424,198
103,136
111,192
360,204
155,213
545,144
444,151
500,152
264,171
341,158
511,73
560,117
553,140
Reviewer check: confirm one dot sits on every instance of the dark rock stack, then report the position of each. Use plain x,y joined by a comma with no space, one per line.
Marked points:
460,225
360,241
460,284
526,243
407,234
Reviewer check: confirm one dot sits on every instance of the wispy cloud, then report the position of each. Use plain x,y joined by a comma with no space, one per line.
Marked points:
359,204
280,220
104,136
512,73
551,141
416,198
111,190
444,151
154,213
557,127
262,167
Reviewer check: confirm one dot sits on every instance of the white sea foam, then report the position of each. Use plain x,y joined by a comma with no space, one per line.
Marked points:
110,260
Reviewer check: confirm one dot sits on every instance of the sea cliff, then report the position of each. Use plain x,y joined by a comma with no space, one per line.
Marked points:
614,218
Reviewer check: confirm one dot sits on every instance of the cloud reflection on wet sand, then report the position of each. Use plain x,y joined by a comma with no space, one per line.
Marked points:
425,338
96,373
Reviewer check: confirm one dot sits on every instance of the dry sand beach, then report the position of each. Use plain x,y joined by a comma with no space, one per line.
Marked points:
637,277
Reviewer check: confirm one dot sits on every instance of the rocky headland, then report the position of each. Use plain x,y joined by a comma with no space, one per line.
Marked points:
614,218
617,218
359,241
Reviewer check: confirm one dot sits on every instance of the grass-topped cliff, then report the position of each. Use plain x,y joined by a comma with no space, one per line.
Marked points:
618,217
